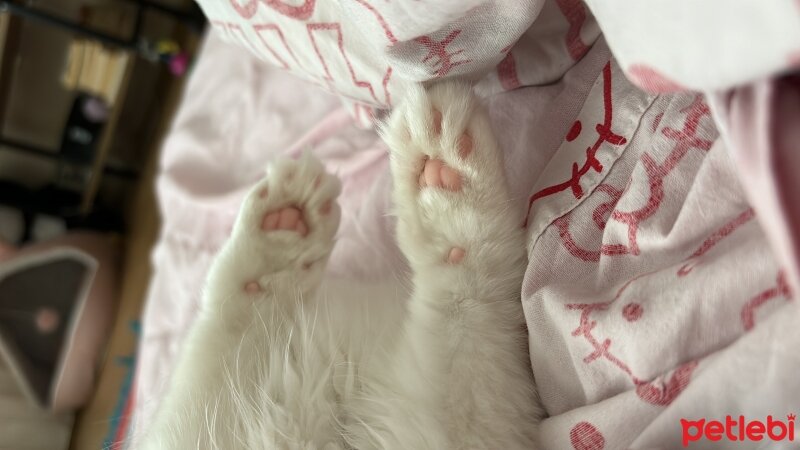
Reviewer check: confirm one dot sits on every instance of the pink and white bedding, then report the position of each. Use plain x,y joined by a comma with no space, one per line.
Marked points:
652,293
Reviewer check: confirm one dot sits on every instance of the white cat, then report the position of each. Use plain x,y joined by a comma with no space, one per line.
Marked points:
278,361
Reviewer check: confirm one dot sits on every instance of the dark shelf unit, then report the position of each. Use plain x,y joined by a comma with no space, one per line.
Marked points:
76,209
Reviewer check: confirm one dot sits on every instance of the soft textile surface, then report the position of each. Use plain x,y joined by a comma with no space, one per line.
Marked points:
368,52
669,46
760,121
650,282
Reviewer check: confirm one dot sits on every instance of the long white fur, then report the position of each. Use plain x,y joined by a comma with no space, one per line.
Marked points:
313,364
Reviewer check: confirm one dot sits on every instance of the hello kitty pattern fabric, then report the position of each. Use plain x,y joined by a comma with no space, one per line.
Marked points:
657,278
368,52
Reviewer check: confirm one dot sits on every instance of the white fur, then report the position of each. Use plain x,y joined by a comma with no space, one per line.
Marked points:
335,366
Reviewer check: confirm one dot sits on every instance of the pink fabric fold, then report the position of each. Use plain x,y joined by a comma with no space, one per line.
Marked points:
761,124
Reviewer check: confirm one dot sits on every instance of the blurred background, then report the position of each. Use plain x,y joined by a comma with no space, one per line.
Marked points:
87,89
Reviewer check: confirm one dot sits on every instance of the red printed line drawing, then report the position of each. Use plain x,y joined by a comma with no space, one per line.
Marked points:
585,436
388,76
507,69
381,21
575,13
603,211
438,50
321,26
662,390
781,288
686,139
299,12
562,224
231,29
657,122
507,73
392,40
225,27
247,10
260,29
714,239
303,12
314,27
604,134
574,131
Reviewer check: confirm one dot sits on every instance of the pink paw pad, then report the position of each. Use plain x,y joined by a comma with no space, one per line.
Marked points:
456,255
436,174
326,207
252,287
289,218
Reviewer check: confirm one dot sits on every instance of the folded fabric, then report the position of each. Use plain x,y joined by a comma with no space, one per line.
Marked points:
712,45
368,52
760,124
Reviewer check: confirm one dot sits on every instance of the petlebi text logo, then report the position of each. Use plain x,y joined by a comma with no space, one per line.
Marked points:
739,429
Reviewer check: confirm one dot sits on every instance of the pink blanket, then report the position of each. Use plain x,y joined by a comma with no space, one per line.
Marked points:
651,294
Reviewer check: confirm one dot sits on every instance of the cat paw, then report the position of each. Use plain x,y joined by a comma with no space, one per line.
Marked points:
450,192
287,222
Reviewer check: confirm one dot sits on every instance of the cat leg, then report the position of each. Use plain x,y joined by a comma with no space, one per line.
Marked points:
240,380
280,241
463,357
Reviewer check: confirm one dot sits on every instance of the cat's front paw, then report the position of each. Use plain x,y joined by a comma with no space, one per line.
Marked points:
450,192
286,223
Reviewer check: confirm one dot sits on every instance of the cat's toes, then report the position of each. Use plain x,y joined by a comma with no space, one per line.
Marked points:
449,188
297,196
441,139
290,218
436,173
